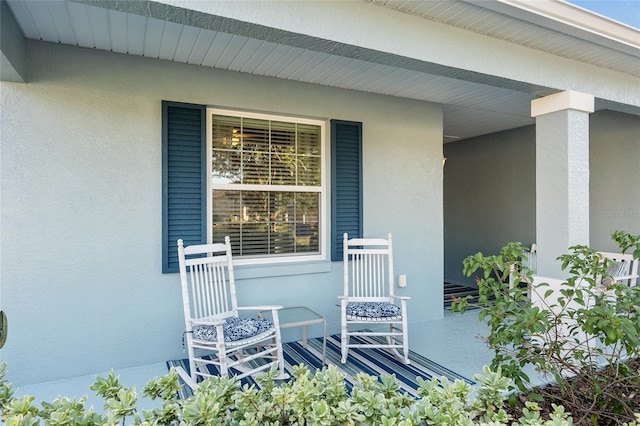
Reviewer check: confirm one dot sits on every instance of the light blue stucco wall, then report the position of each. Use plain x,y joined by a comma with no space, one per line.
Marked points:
614,152
81,193
490,180
489,196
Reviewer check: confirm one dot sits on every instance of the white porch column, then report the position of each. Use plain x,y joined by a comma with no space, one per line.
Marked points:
562,176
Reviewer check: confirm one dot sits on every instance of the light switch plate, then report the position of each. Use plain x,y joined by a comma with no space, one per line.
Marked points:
402,281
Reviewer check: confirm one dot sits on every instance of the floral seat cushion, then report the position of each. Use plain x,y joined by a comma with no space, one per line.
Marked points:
234,329
373,310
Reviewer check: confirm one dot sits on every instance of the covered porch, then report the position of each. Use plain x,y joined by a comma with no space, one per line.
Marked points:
452,342
83,85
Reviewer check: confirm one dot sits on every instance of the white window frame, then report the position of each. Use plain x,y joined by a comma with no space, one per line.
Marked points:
322,189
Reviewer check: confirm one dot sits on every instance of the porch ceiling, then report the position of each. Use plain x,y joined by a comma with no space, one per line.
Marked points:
474,104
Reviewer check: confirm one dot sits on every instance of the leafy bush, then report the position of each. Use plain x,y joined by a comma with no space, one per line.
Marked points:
319,399
582,337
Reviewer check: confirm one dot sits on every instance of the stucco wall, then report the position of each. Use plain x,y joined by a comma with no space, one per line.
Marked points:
489,189
489,196
614,153
81,205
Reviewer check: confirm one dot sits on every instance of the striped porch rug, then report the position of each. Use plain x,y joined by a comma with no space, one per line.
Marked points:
459,291
372,361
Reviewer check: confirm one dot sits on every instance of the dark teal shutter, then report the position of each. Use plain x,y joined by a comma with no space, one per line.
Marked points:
346,183
184,204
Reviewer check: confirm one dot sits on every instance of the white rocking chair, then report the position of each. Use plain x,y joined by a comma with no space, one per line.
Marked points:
215,334
621,268
369,300
529,262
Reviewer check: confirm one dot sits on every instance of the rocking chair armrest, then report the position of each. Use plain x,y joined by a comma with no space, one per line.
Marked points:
208,322
260,308
624,277
401,297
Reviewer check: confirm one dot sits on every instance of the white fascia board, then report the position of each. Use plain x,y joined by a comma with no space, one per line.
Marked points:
557,15
572,20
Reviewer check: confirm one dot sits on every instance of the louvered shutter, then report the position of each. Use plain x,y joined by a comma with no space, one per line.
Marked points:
183,179
346,183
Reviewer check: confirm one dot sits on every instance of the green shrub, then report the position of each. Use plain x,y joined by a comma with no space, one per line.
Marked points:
582,338
319,399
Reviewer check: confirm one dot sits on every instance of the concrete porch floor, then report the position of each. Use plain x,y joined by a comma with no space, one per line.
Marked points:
452,342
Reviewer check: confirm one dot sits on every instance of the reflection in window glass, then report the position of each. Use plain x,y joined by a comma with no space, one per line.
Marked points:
266,180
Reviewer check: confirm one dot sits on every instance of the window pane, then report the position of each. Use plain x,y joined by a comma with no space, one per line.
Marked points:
309,171
255,135
308,140
283,169
308,150
283,149
267,223
226,131
227,145
255,151
283,137
251,151
255,166
306,219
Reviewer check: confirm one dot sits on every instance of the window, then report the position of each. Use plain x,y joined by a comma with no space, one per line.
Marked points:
266,183
259,179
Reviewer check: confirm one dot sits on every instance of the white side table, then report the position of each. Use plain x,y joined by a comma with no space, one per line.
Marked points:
300,316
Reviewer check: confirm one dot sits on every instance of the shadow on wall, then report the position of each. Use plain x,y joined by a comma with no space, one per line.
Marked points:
489,196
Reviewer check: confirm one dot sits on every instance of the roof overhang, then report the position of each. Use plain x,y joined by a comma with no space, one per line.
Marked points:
248,37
